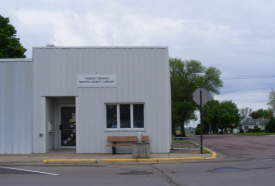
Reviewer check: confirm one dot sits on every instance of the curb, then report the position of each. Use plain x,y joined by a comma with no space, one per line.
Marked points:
153,160
214,154
68,161
92,161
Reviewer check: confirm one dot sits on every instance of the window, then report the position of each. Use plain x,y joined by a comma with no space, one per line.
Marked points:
125,116
138,116
111,116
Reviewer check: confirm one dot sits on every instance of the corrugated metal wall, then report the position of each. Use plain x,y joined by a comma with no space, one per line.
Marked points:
142,76
15,106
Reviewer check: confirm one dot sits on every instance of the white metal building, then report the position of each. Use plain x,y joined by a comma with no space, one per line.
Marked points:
15,106
75,97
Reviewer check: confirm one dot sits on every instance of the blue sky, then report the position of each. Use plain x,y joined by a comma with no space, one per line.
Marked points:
236,37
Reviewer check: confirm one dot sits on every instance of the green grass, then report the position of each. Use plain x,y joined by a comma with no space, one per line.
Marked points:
182,141
253,134
184,144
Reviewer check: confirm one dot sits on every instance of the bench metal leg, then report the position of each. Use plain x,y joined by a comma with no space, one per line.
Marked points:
113,150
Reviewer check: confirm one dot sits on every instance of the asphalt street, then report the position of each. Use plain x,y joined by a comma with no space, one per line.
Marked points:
245,161
241,147
249,172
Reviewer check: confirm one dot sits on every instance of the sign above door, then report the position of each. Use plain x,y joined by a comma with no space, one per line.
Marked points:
96,80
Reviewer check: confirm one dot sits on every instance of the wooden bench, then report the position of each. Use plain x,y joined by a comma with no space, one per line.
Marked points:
124,140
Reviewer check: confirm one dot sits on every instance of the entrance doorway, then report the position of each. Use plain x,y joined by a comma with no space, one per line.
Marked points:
60,122
67,127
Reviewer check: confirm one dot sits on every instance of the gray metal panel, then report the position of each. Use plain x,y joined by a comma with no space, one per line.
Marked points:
142,75
15,106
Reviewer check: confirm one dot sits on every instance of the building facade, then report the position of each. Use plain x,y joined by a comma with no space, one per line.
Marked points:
81,95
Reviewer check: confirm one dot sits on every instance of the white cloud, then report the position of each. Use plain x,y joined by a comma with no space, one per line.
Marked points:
236,37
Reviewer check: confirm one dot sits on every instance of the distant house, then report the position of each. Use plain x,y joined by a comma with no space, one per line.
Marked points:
250,123
190,131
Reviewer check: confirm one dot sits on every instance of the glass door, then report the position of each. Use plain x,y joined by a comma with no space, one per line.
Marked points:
67,127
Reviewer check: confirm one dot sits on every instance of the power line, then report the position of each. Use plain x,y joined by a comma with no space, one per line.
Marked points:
248,77
231,91
249,102
255,102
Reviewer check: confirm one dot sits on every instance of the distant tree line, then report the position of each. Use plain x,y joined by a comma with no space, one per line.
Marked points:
258,114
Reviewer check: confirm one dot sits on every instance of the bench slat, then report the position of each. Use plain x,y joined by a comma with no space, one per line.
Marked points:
122,138
116,145
144,138
126,138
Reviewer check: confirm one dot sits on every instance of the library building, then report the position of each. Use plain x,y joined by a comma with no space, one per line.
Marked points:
77,97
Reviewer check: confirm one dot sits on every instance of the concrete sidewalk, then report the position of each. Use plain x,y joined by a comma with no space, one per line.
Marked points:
69,156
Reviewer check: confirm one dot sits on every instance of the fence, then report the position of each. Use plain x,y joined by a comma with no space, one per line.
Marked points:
186,143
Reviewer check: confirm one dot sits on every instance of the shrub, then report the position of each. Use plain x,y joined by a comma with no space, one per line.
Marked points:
241,131
270,126
197,131
254,130
221,132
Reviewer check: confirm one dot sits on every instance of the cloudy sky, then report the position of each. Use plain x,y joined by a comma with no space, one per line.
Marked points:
237,37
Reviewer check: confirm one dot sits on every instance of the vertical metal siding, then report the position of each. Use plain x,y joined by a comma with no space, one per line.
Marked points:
15,106
142,75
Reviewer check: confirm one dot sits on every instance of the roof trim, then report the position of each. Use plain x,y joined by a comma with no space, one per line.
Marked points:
16,60
103,47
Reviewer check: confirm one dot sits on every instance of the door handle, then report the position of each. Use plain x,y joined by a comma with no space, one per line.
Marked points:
60,127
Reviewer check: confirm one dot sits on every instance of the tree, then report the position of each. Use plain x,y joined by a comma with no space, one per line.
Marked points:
256,115
229,114
271,100
270,126
186,77
266,113
211,115
220,115
244,112
10,46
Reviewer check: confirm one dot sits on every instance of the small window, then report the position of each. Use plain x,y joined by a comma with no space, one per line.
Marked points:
125,116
